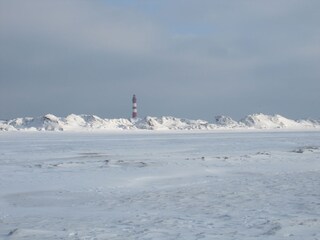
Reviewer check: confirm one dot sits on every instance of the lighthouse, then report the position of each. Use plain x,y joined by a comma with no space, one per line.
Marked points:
134,107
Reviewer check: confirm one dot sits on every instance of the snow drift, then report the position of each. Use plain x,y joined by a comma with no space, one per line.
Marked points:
75,122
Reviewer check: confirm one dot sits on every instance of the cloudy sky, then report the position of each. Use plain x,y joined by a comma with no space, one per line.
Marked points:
186,58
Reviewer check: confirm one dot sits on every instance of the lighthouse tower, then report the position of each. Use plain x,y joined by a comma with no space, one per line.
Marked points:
134,107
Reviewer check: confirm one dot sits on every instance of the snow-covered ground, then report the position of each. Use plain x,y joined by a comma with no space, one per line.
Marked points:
84,122
160,185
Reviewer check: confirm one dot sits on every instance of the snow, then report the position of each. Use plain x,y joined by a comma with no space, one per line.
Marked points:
159,184
172,123
228,122
269,122
84,122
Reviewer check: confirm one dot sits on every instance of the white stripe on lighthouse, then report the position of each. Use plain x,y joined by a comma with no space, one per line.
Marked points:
134,107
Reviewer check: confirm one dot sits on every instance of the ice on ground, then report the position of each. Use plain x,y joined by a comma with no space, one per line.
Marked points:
56,185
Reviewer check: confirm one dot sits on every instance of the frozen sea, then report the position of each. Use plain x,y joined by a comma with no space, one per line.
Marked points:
160,185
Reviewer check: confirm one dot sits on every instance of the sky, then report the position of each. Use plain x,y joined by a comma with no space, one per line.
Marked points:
185,58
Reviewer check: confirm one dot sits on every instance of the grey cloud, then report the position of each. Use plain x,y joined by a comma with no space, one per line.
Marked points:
185,58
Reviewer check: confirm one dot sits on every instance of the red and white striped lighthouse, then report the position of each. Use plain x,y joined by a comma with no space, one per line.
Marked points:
134,107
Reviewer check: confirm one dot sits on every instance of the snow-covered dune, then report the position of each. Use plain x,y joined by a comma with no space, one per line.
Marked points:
72,122
269,122
75,122
172,123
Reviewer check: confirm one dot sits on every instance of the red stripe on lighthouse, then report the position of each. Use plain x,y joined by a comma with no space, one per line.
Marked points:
134,107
